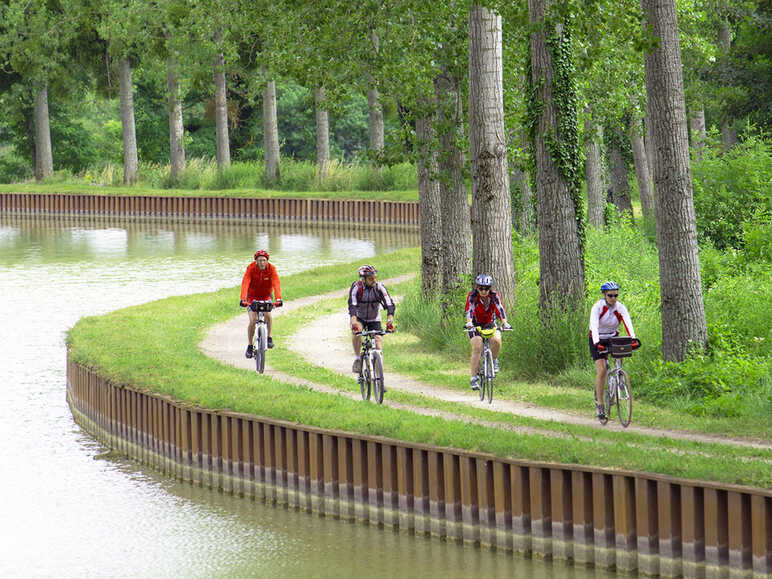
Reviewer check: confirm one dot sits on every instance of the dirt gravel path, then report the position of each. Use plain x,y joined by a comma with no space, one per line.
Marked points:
326,342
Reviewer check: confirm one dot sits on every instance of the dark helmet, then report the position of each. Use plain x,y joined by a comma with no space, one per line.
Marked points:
261,253
367,270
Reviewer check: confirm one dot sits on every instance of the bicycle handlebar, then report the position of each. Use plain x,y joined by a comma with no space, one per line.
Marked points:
267,305
500,328
371,333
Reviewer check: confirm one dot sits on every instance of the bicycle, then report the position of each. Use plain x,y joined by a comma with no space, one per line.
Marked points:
485,371
371,373
261,332
618,392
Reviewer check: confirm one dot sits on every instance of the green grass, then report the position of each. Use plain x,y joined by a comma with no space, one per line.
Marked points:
201,177
154,347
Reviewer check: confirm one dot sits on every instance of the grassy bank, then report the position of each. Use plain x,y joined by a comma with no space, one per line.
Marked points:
299,179
154,347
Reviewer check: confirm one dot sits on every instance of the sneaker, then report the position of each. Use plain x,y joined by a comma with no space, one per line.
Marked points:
357,367
601,412
474,382
270,342
250,351
496,365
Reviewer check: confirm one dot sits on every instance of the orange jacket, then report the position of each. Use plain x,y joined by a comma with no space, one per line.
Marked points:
257,284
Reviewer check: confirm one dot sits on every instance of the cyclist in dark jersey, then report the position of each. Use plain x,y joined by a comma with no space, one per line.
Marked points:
366,297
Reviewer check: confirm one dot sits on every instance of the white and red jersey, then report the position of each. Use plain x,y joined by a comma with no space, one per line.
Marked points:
604,320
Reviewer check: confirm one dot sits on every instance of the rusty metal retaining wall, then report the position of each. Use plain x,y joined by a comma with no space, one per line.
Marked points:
613,519
362,211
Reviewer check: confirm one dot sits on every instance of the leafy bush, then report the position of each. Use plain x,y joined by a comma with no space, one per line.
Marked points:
733,189
14,168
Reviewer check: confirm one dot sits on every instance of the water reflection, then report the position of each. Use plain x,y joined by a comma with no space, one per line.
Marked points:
70,511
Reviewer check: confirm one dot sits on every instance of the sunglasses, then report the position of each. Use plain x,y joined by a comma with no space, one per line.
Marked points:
484,288
612,295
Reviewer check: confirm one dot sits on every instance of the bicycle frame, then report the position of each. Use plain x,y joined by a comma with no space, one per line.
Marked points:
260,339
371,373
485,371
617,391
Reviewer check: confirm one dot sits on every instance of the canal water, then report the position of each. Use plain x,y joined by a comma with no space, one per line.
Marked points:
70,508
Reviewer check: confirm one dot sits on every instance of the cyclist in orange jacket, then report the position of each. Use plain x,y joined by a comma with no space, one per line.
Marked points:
260,280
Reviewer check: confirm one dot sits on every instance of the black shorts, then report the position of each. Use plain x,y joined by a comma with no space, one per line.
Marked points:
594,349
473,332
369,326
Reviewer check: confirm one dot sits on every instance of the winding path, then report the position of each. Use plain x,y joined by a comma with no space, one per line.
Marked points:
326,342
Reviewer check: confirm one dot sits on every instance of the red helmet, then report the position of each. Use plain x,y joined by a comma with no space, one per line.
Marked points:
367,270
261,253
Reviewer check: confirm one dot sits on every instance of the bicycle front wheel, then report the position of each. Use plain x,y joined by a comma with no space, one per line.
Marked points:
489,375
624,399
377,377
260,346
364,378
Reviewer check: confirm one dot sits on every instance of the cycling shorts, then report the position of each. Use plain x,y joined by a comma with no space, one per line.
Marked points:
473,332
370,326
594,348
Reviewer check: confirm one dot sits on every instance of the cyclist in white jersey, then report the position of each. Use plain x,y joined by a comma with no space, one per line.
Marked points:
604,324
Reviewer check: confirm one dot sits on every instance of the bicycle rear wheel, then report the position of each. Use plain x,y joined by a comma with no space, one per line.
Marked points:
377,377
364,379
624,399
260,346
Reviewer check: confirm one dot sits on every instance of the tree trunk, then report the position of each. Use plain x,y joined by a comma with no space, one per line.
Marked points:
620,186
270,133
649,143
641,163
322,134
373,103
683,311
593,165
376,120
728,132
728,135
456,229
491,216
130,162
525,219
44,157
176,128
430,204
697,127
560,215
221,114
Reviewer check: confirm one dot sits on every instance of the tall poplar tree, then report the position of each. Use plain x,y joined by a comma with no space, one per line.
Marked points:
554,133
491,213
683,311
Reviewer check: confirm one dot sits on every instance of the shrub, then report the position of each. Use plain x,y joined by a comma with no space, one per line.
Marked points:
732,189
14,168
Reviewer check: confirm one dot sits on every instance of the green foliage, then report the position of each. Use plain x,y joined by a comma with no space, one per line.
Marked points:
13,167
564,144
732,195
